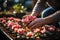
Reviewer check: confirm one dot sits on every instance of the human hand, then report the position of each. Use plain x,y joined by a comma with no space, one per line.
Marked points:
37,23
28,18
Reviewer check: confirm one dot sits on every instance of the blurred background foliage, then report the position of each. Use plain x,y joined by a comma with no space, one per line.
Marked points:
18,8
11,3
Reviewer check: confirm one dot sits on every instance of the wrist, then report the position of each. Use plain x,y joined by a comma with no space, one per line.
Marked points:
47,20
44,21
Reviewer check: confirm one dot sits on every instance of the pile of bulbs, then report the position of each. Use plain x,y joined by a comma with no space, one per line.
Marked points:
16,25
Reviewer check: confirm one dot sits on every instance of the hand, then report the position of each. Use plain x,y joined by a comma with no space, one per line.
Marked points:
37,23
24,20
27,19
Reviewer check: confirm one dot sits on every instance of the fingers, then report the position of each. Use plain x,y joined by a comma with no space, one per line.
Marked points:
34,26
32,23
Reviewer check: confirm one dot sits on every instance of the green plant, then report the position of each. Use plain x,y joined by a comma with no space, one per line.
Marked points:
19,8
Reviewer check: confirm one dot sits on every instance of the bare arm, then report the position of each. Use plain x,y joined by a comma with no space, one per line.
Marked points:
47,20
53,18
38,8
